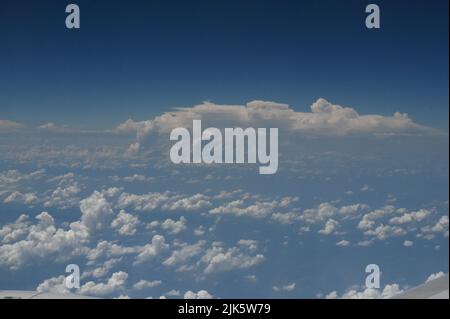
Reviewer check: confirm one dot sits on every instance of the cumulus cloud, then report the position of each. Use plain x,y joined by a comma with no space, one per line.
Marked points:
367,293
96,212
218,258
145,284
152,250
53,285
324,118
201,294
435,276
172,226
114,284
42,240
126,224
184,253
411,217
18,197
329,228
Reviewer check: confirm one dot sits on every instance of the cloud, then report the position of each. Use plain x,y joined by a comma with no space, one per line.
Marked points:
408,243
96,212
172,226
115,283
41,241
126,224
411,217
258,209
435,276
330,227
219,259
9,126
324,118
343,243
368,293
151,250
54,285
288,287
18,197
201,294
184,253
145,284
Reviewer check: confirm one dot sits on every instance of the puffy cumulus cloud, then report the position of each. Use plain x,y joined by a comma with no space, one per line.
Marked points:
54,285
329,228
383,232
190,203
18,197
101,270
42,240
258,209
96,212
410,217
435,276
145,202
106,249
368,221
441,226
219,259
172,226
63,197
367,293
184,253
324,118
146,284
288,287
115,283
201,294
152,249
12,178
9,126
14,231
126,224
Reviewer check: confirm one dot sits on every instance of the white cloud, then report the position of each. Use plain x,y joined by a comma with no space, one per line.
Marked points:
258,209
115,283
43,240
218,259
410,217
172,226
54,285
343,243
18,197
152,250
367,293
408,243
201,294
435,276
288,287
329,228
126,224
383,232
184,253
324,118
96,212
145,284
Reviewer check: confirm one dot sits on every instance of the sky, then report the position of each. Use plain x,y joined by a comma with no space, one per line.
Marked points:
86,177
136,60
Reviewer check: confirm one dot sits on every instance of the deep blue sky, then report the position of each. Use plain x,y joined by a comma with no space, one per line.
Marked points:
139,58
